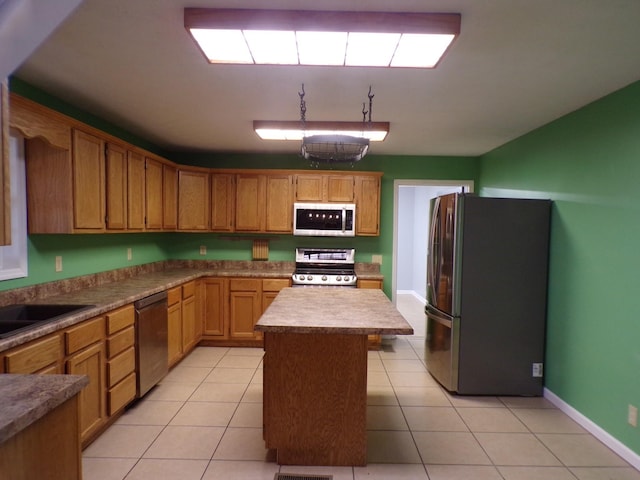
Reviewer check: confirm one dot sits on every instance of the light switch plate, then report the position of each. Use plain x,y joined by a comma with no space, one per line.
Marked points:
376,259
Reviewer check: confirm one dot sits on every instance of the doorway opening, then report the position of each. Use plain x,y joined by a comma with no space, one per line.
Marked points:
410,232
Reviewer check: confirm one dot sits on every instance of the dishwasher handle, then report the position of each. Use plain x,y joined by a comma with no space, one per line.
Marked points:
150,300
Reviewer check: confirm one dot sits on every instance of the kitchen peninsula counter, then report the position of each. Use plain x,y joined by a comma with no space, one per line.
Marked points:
315,371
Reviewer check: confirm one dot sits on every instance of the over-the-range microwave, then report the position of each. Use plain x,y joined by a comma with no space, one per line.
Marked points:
324,219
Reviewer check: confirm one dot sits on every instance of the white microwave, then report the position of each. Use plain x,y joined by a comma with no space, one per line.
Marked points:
324,219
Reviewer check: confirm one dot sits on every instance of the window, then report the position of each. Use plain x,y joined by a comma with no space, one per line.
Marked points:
13,258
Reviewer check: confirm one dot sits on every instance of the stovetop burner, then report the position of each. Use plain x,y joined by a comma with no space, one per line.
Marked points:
325,267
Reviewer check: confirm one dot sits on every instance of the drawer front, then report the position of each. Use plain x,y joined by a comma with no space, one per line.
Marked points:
121,341
174,296
274,284
188,290
245,284
121,366
120,395
84,335
35,357
120,319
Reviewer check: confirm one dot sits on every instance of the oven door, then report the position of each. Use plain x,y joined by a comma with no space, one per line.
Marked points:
324,219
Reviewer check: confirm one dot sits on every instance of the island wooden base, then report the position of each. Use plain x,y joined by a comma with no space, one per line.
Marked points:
315,398
47,449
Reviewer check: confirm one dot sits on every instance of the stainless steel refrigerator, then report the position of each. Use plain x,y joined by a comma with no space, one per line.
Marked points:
487,294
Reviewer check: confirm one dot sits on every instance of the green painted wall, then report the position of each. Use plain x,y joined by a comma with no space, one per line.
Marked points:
588,162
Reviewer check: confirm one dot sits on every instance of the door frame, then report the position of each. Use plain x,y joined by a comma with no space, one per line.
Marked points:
397,183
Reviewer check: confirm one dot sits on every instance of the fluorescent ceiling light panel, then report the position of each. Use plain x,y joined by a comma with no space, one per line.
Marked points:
297,37
321,48
292,130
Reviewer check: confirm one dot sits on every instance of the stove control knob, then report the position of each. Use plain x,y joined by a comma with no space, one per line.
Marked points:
346,279
324,278
338,279
309,277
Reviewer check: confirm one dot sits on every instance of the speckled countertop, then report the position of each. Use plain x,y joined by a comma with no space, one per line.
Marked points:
116,292
27,398
333,310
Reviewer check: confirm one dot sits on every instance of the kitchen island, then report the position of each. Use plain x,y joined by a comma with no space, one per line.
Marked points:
315,371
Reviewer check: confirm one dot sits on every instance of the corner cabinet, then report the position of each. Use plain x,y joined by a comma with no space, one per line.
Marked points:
232,306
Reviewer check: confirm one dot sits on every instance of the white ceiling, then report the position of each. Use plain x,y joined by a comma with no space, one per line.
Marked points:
517,65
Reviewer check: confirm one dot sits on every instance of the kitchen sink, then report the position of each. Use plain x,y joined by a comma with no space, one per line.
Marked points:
16,319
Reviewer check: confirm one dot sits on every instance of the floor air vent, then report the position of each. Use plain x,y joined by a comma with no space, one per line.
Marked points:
294,476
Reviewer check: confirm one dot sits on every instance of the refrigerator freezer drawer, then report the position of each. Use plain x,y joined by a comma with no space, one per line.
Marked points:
441,349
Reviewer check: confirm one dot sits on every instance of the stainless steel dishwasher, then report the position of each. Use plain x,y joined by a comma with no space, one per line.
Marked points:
152,344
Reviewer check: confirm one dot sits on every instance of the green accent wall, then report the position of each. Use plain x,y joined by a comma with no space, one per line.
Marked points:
588,163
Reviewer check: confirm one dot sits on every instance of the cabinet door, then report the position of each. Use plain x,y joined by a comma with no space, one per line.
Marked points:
174,318
169,197
153,194
135,191
250,205
215,301
279,203
88,182
116,166
309,188
367,205
222,202
189,327
90,362
340,188
244,309
193,200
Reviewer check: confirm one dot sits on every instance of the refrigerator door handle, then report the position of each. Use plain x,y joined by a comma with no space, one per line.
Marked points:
433,253
438,316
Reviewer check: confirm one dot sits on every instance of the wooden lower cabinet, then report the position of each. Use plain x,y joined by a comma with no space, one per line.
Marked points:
91,362
232,306
184,320
121,358
40,356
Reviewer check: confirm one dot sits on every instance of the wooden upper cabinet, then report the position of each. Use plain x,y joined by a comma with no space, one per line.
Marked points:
135,190
169,197
193,199
367,193
116,167
222,204
5,193
153,194
279,204
88,182
250,205
337,188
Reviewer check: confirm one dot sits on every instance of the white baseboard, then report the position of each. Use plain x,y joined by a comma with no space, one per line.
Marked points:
414,293
614,444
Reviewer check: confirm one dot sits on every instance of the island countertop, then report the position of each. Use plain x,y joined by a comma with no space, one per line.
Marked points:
353,311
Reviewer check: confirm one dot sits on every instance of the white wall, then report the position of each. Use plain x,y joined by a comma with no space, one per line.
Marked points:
25,24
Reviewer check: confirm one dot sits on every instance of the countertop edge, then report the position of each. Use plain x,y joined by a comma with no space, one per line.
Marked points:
28,398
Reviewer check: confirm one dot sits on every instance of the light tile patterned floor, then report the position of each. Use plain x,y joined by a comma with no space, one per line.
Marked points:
203,422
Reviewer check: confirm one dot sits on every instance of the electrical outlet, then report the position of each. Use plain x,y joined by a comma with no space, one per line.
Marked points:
129,254
632,416
537,369
203,250
376,259
58,263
